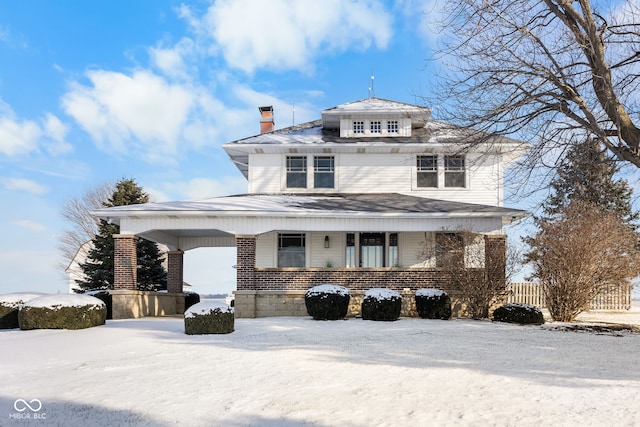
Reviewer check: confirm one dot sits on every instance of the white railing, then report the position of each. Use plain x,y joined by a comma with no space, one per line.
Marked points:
614,298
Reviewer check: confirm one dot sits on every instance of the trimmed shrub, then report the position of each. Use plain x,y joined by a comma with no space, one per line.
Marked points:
524,314
70,311
327,302
190,298
381,304
9,307
106,298
209,317
433,304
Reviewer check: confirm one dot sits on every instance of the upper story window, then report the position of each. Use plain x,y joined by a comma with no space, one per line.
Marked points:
291,250
427,171
392,126
358,127
296,172
375,126
454,171
323,172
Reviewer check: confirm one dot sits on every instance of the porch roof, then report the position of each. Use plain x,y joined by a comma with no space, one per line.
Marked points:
367,204
216,221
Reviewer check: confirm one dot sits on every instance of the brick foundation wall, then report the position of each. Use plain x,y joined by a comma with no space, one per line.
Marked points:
266,279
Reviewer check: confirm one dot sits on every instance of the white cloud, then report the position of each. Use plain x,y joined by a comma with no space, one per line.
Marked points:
285,34
171,61
57,132
31,225
199,188
18,136
143,109
26,185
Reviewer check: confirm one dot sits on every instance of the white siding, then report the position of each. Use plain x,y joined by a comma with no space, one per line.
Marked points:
417,250
323,257
265,172
266,248
383,173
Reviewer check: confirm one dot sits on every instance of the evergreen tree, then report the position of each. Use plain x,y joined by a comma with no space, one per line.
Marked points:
99,269
588,175
587,237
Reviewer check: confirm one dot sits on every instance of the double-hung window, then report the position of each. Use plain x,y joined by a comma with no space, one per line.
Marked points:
392,126
358,127
427,171
454,171
291,249
375,126
296,172
323,172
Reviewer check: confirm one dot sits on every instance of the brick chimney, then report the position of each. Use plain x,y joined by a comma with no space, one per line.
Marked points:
266,119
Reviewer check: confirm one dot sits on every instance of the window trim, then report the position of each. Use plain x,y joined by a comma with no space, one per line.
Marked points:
279,241
331,171
460,169
433,170
304,172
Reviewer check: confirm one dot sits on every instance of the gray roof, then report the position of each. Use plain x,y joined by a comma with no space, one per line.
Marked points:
321,204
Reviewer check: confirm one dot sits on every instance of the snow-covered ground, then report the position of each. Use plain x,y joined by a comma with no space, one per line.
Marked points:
296,371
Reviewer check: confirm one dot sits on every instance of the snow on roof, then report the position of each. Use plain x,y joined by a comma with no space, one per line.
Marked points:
360,203
378,104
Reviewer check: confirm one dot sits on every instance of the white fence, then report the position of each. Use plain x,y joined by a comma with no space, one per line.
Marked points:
614,298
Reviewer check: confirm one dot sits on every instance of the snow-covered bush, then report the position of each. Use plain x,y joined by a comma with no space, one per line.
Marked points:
66,311
209,317
106,298
9,306
327,302
433,304
518,313
190,298
381,304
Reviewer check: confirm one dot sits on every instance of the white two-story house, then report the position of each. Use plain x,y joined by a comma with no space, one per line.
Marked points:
359,198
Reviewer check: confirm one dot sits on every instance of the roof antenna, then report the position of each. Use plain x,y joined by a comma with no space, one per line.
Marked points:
372,92
293,115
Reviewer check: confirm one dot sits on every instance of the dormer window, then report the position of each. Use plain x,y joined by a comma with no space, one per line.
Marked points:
358,127
375,126
392,126
296,172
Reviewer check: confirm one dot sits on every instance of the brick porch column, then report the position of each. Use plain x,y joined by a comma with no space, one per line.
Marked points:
246,262
125,261
495,258
175,271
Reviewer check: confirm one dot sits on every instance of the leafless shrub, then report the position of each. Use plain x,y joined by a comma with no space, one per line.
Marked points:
578,254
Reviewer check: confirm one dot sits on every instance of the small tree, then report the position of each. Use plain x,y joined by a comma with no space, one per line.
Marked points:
99,268
479,277
578,254
81,225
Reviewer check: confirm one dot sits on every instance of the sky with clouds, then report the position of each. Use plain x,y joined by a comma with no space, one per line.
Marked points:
101,90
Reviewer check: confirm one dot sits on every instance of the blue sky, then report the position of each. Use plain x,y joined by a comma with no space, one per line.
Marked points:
96,91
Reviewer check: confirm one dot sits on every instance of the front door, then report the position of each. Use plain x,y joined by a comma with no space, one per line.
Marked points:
371,250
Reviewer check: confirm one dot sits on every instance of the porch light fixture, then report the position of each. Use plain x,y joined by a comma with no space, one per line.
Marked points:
326,241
